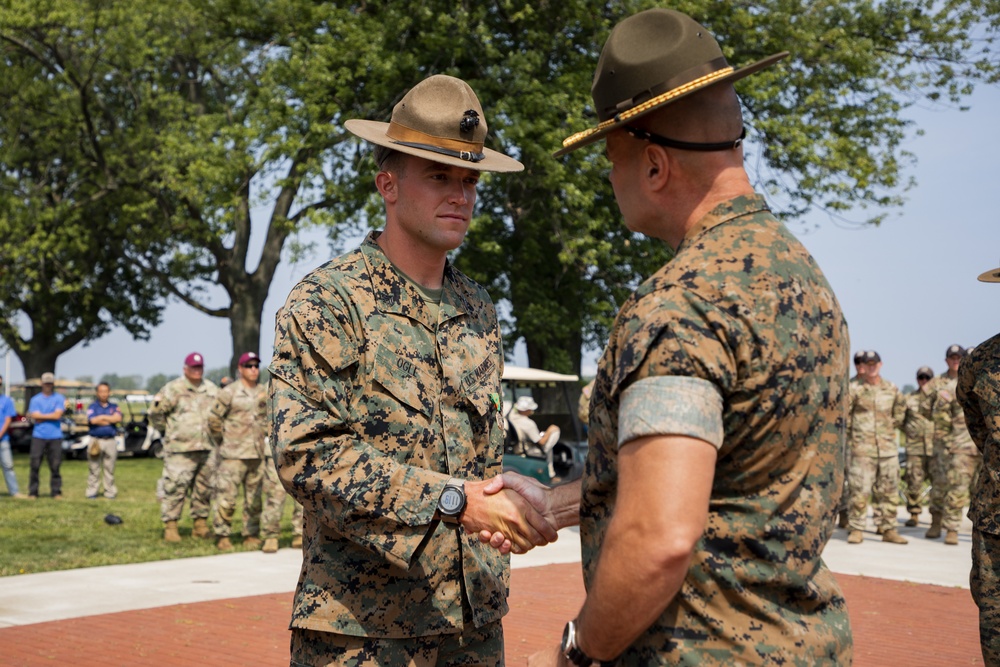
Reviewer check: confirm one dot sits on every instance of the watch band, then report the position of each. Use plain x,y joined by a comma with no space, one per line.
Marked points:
574,654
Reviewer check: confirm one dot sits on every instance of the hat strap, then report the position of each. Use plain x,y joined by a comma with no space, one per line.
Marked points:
659,140
463,150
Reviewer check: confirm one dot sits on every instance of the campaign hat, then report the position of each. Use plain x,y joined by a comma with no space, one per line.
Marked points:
991,276
439,119
652,59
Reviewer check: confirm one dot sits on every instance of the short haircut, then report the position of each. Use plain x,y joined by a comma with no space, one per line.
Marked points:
103,384
388,159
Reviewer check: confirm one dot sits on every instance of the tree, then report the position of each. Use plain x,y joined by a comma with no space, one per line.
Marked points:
122,382
155,382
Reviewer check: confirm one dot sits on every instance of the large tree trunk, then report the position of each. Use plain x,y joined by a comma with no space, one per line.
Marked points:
244,322
38,360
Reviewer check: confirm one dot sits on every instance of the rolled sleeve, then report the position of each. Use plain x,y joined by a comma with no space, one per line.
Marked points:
671,405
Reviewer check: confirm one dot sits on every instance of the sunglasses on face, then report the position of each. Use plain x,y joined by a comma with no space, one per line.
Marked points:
252,366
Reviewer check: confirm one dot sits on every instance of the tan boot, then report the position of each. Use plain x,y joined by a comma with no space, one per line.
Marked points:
297,542
201,529
270,545
895,538
224,544
855,537
951,537
913,520
934,531
170,533
251,542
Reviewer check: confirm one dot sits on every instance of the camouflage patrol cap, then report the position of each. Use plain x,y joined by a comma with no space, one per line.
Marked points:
871,357
439,119
651,59
859,357
954,350
925,372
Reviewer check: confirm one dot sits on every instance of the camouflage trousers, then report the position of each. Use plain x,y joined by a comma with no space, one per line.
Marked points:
102,467
984,584
938,466
845,496
961,474
482,647
274,504
918,471
877,478
230,476
184,473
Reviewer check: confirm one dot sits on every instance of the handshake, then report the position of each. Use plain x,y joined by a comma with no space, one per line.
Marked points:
514,513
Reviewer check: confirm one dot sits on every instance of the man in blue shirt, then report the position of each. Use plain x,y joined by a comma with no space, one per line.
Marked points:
102,415
7,413
46,410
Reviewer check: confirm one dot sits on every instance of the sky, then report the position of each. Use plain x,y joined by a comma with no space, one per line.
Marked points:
908,288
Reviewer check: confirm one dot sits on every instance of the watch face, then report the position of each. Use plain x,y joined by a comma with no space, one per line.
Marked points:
451,501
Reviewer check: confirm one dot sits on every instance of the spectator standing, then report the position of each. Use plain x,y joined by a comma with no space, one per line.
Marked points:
7,414
238,423
978,391
46,410
843,509
180,412
717,423
529,434
956,457
876,410
919,433
274,507
386,409
103,416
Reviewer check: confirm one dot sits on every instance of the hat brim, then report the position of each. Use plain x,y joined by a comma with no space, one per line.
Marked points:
587,137
375,132
992,276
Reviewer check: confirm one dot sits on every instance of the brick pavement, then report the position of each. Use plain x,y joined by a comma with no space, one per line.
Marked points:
895,623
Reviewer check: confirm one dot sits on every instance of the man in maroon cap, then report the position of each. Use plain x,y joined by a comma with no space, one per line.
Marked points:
180,412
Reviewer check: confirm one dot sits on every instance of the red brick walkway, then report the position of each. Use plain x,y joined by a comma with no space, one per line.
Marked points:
895,623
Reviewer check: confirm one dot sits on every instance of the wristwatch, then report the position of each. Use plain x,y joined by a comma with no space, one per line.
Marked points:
574,654
452,500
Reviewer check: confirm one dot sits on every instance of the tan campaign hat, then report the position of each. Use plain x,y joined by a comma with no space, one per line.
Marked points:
439,119
651,59
992,276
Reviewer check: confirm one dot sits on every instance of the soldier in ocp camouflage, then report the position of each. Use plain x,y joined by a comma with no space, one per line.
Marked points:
238,424
919,433
180,412
978,391
875,411
274,495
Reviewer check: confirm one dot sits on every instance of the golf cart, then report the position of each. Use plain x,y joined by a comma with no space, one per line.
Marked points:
556,395
141,439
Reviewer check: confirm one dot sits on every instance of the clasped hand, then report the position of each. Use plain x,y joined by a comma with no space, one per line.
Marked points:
510,512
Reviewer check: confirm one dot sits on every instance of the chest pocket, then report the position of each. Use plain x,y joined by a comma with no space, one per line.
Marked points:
405,379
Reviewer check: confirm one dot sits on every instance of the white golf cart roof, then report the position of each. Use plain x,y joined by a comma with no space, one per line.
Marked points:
525,374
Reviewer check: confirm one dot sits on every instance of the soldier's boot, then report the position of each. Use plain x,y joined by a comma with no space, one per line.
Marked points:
251,542
270,545
844,521
951,537
934,531
913,520
224,544
895,538
855,537
880,530
201,528
170,533
297,542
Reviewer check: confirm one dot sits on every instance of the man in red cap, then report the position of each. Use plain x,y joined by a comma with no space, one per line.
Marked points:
238,424
180,411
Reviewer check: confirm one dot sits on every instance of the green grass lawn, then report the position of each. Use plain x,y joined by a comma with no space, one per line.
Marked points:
46,534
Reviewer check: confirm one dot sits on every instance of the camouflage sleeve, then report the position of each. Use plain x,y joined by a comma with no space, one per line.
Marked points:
320,453
163,404
941,415
217,415
975,421
899,409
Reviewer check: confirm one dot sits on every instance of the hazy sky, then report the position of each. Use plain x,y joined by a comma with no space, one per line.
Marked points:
908,287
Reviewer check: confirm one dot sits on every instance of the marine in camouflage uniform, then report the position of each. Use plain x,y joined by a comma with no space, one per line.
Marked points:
919,433
385,389
722,393
876,410
956,457
180,412
978,391
238,424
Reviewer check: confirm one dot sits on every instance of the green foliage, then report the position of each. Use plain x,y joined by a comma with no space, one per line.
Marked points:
122,382
156,382
168,125
45,534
